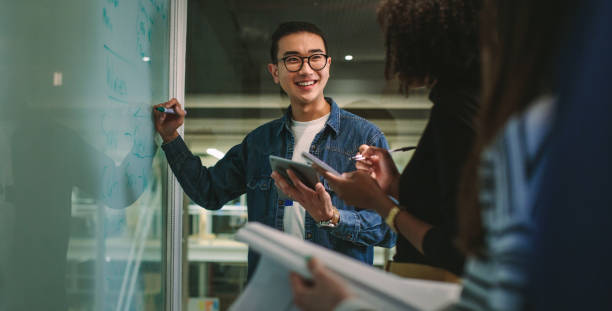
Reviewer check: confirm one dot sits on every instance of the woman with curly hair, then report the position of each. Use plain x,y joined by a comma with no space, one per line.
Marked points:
433,44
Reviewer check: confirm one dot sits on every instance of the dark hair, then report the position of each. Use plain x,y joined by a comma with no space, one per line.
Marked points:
431,40
519,43
287,28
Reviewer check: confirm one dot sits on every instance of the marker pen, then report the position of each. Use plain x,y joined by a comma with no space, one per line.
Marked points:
359,157
168,110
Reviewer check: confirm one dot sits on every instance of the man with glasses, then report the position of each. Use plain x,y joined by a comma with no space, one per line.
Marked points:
313,123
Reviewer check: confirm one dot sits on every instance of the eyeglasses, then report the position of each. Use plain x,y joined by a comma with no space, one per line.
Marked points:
294,63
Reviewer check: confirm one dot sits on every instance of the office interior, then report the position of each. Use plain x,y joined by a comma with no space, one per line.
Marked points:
115,258
229,92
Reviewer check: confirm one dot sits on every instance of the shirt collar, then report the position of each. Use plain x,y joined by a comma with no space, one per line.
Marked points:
333,122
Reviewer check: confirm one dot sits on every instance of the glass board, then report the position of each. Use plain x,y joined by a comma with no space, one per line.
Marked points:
80,172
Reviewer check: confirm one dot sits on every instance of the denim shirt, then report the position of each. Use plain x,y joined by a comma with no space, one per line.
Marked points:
246,168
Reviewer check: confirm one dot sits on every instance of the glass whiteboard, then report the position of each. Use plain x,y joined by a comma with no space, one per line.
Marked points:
80,172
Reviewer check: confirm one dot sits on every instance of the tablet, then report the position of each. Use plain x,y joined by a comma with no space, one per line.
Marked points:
310,157
305,173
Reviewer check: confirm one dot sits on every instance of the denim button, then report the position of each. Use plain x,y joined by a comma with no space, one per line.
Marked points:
309,235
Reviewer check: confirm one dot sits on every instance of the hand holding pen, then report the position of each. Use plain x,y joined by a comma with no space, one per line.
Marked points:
168,117
379,163
360,156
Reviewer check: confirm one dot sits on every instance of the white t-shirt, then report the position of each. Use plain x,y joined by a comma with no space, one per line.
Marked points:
303,134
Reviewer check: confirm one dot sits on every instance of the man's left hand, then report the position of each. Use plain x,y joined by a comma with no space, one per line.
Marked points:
316,202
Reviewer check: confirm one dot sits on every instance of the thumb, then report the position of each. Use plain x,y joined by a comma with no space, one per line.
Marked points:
321,192
314,265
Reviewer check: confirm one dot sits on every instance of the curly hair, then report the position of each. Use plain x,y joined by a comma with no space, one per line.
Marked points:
431,40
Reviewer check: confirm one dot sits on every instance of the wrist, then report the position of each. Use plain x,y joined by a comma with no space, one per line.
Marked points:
332,216
170,137
336,217
384,206
394,187
331,221
391,216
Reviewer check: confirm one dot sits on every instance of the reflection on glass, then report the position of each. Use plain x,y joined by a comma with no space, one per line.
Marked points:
80,184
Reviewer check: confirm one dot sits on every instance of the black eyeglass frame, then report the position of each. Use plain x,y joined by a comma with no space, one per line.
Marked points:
284,59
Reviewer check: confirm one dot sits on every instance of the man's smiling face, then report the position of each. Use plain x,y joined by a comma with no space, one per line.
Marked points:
306,85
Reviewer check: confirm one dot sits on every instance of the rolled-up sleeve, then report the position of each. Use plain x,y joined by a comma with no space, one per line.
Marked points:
365,227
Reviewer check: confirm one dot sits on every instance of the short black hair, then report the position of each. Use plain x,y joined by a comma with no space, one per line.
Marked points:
288,28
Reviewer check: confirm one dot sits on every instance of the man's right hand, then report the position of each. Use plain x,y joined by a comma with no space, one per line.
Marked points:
166,124
379,163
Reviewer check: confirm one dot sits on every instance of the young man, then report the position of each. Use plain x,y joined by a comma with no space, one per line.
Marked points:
312,123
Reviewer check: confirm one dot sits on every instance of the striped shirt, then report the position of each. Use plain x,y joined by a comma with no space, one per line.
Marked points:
509,179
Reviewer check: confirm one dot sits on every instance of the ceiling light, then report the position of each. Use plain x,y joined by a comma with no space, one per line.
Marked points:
348,58
57,79
146,59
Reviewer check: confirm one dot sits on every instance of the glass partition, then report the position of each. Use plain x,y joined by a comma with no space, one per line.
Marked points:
80,172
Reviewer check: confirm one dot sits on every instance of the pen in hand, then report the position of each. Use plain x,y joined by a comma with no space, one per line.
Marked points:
360,157
168,110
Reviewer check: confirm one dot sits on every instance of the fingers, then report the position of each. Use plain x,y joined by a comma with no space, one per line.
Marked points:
319,169
298,284
297,183
320,190
158,114
322,194
333,179
318,270
314,265
283,185
172,103
365,164
329,176
298,288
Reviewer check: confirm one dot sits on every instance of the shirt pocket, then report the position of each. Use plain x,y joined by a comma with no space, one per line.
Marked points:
260,199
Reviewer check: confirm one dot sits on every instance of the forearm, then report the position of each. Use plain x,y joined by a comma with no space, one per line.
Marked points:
196,180
406,224
394,188
364,227
166,138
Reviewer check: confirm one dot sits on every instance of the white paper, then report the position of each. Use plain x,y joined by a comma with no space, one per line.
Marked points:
282,253
269,289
